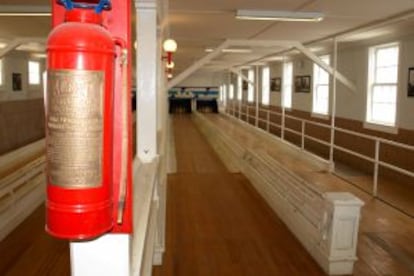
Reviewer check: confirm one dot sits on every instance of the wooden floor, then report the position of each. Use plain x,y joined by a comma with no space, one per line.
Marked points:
217,224
386,235
29,251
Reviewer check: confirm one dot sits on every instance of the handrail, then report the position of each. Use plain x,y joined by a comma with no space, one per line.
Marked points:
377,140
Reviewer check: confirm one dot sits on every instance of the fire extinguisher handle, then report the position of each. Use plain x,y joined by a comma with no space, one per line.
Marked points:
102,5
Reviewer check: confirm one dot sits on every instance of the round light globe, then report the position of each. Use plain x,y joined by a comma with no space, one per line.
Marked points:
170,45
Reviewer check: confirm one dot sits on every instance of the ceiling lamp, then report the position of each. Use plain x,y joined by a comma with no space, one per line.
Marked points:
279,15
169,46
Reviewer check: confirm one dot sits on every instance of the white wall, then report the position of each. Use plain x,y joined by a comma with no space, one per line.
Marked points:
17,62
204,78
353,63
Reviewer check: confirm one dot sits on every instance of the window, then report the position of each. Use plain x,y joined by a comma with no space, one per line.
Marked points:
224,93
382,84
287,85
239,88
250,89
265,86
231,91
34,72
321,88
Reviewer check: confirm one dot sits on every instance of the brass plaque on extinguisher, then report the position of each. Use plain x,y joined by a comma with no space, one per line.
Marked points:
74,118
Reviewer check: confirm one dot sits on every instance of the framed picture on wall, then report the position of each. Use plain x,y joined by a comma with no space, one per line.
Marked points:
302,84
17,81
245,85
410,92
275,84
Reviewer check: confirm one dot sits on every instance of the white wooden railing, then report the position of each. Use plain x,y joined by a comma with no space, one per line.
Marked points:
377,141
21,186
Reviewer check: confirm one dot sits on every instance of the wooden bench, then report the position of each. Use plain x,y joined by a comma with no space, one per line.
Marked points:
326,223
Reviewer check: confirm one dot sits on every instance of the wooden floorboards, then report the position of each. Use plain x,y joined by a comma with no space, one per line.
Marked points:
29,251
386,235
217,224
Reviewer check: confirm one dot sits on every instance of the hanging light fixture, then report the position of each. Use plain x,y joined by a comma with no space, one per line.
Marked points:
169,46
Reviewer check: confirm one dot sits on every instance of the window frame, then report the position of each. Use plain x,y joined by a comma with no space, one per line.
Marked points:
265,86
287,82
316,84
30,74
371,122
250,86
239,88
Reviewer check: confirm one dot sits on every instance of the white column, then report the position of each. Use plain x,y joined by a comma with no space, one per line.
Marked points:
147,57
256,88
108,255
333,112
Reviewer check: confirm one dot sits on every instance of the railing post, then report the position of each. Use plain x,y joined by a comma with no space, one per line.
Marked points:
333,113
376,168
282,125
268,120
257,95
303,134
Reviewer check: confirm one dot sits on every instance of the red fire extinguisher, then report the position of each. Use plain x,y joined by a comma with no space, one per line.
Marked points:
79,127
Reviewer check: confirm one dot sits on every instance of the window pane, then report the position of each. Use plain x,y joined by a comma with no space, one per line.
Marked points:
287,85
265,85
231,91
250,89
321,88
386,75
239,88
321,99
384,94
383,78
34,72
383,113
387,56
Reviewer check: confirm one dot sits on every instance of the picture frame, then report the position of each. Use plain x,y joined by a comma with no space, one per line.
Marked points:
275,84
17,82
303,84
245,85
410,83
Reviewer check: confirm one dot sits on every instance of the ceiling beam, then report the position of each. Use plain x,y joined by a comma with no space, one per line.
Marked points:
340,77
197,65
239,73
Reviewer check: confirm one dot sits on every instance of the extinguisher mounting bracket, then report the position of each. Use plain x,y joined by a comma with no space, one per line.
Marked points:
99,7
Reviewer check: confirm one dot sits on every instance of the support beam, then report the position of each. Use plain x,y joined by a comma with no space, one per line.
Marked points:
239,73
326,67
15,43
10,47
197,65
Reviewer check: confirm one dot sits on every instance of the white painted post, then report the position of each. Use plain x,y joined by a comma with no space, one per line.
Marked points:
256,82
268,120
376,168
108,255
146,61
333,113
303,135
